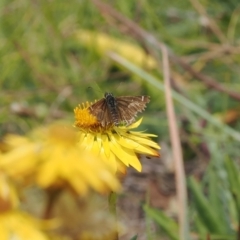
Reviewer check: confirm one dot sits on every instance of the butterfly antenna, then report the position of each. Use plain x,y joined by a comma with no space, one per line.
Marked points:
98,90
89,88
95,89
119,85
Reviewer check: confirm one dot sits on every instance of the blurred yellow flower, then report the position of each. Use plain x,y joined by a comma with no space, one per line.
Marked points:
18,225
116,145
20,160
51,157
103,43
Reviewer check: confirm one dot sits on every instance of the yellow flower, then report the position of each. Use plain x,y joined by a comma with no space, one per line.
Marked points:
116,145
17,225
51,157
20,161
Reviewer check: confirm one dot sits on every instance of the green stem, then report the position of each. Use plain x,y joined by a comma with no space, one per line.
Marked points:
52,196
112,201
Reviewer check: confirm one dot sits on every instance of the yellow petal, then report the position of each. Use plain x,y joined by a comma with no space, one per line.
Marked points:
105,145
133,160
130,144
126,142
110,160
95,148
119,152
143,133
16,225
48,173
136,124
113,161
19,161
146,150
127,156
79,185
88,141
143,140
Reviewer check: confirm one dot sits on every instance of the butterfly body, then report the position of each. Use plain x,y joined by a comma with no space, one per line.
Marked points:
112,107
112,110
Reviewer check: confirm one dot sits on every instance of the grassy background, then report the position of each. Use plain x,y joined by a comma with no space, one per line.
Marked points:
46,71
40,58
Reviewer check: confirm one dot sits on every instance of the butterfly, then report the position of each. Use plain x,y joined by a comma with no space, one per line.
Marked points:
118,110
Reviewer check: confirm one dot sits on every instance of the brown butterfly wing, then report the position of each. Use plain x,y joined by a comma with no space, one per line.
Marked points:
129,106
100,110
127,109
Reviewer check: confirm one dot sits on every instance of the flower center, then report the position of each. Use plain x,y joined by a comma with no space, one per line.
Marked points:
86,121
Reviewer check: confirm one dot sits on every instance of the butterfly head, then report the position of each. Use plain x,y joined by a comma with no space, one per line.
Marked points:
107,94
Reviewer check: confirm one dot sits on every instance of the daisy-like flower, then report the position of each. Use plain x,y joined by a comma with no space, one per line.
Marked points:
116,145
51,157
15,224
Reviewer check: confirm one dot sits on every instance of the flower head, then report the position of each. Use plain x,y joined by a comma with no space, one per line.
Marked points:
116,145
51,157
